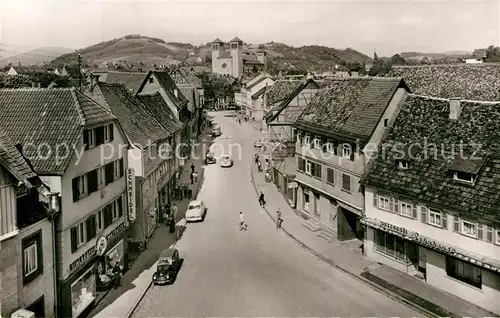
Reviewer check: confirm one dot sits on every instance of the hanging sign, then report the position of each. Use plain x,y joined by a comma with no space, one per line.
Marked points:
131,194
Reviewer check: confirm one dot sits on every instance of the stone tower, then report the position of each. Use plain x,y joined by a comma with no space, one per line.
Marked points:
217,45
236,46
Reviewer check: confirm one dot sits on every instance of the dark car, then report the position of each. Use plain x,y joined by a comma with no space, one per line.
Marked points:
210,158
167,268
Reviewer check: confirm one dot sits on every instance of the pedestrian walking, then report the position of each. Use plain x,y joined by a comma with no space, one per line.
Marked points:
279,219
259,166
118,275
192,168
195,175
174,211
256,158
192,177
262,201
243,225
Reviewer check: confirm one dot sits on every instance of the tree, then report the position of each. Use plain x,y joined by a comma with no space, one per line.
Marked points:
493,54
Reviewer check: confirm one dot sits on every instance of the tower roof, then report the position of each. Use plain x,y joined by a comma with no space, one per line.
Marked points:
217,40
236,39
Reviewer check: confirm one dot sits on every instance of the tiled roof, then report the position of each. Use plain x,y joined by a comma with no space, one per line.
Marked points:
139,124
195,81
187,91
13,160
349,107
466,81
217,40
132,81
236,39
168,84
281,89
48,116
424,121
157,106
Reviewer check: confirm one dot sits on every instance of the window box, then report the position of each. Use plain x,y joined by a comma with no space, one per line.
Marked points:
464,272
32,257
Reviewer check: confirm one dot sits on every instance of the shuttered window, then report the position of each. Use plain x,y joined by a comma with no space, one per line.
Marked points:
92,181
76,191
108,215
74,239
91,227
330,176
99,135
109,173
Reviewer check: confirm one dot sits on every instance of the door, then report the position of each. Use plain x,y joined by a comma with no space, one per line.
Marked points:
38,307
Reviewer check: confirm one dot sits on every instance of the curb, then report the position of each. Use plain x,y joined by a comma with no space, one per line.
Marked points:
346,271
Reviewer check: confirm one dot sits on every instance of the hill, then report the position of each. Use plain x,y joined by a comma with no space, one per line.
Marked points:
34,57
136,51
418,56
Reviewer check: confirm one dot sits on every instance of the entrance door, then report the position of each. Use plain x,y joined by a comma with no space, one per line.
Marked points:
317,206
422,261
38,307
333,213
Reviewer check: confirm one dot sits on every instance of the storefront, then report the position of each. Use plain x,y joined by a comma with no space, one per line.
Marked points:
92,272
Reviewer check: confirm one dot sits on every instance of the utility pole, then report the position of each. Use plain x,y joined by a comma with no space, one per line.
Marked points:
79,58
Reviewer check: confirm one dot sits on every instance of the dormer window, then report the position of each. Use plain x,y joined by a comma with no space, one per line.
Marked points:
346,151
403,164
466,169
464,177
317,143
307,140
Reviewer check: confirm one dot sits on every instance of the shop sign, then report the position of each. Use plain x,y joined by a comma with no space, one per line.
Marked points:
432,244
115,232
101,245
131,194
83,258
394,228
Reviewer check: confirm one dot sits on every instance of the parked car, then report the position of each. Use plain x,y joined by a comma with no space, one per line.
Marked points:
168,267
210,158
196,211
216,131
226,162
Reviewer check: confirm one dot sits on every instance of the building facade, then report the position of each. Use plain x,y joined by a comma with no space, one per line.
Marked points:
431,205
26,236
226,62
250,98
89,177
335,134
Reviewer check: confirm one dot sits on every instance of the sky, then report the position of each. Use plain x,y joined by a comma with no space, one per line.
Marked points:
388,27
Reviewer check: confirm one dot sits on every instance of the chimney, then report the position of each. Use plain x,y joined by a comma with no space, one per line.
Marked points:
455,108
176,93
309,76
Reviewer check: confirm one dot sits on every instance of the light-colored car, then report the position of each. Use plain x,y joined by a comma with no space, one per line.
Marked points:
226,161
196,211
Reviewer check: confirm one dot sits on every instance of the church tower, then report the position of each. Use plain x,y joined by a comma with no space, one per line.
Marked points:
217,45
236,46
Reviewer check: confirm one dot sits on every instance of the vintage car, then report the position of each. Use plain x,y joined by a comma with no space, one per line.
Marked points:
216,131
210,158
226,162
168,267
196,211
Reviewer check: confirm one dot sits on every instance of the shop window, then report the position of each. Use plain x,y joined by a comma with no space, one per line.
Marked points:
32,257
83,292
390,245
105,268
465,272
346,182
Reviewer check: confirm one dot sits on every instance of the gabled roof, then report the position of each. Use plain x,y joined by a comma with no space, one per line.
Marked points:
276,110
132,81
236,39
140,126
168,85
423,121
12,159
258,93
466,81
349,107
217,40
188,90
257,79
281,89
159,108
54,117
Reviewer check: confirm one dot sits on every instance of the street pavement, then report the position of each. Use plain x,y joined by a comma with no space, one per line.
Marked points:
258,272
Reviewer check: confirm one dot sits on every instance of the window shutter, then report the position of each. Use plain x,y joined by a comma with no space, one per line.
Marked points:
99,135
318,169
391,204
423,214
122,172
108,217
76,192
375,198
108,171
91,227
396,205
480,233
336,149
120,206
489,233
456,224
313,169
86,139
414,210
111,132
74,239
444,223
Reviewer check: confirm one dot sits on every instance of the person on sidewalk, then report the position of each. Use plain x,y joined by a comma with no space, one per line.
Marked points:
192,167
259,166
279,219
256,158
262,201
192,177
118,275
195,175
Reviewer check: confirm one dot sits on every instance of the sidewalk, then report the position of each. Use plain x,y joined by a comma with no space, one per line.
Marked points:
120,302
389,281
